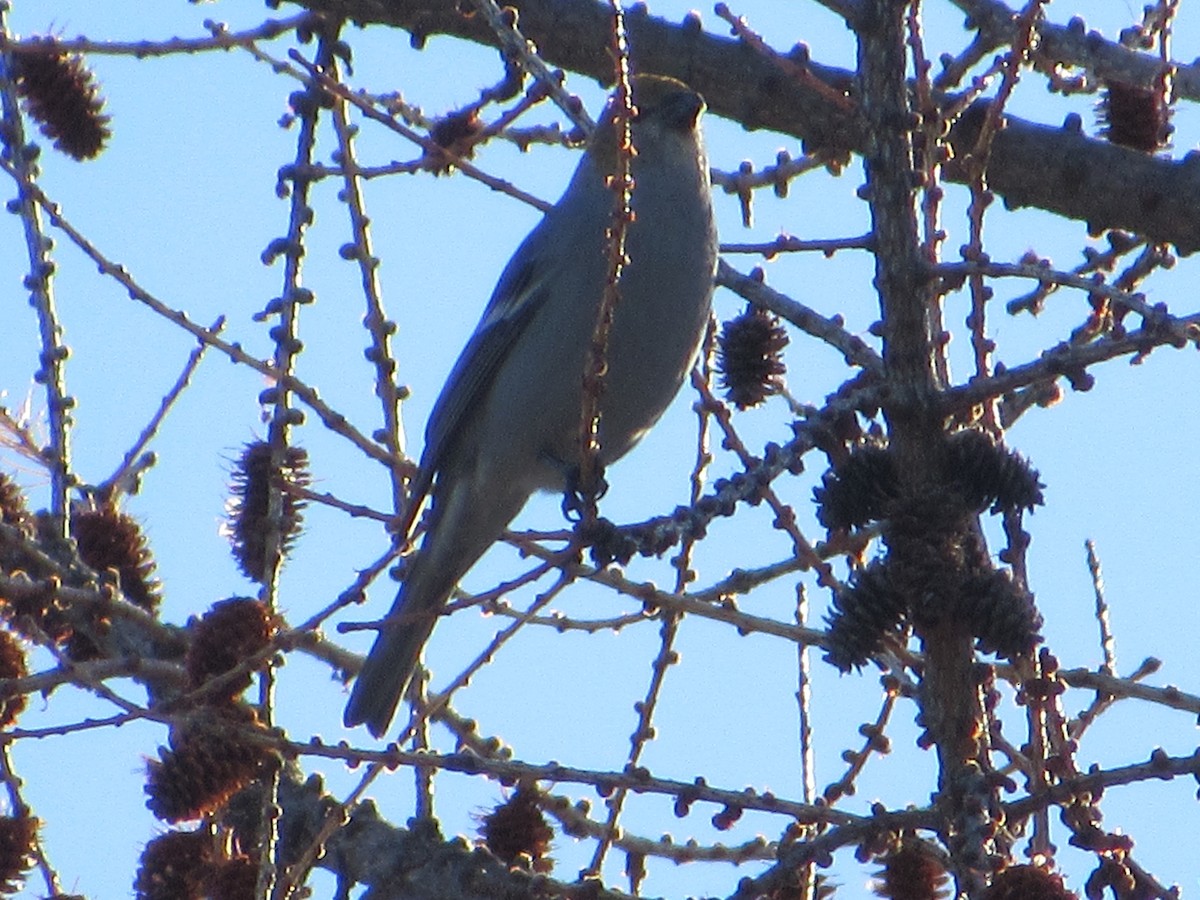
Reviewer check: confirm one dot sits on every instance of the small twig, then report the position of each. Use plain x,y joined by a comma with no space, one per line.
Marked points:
220,38
723,610
875,741
97,670
424,778
1068,360
516,47
85,724
376,322
955,69
286,337
1128,688
637,781
1159,767
1103,700
746,180
133,455
354,510
801,73
1107,643
808,755
785,243
19,162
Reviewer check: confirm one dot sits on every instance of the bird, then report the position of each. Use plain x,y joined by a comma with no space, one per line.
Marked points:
507,421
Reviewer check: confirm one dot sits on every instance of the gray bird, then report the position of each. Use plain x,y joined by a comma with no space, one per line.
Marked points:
507,421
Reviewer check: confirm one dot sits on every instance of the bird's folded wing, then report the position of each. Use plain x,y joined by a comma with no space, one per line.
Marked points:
514,303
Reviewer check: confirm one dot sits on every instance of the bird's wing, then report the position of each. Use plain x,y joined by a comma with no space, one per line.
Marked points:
516,300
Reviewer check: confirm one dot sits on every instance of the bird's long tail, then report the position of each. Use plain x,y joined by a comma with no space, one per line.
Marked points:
460,531
390,665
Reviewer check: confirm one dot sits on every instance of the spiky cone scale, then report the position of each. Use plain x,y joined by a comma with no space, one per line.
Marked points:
12,665
911,873
174,866
77,629
13,510
517,829
1001,616
233,879
1136,117
457,134
18,837
859,490
862,617
25,611
110,539
749,357
986,474
36,612
211,758
232,631
1027,883
252,482
62,96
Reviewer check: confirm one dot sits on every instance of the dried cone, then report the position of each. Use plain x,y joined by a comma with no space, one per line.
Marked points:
62,96
1027,883
12,505
457,133
232,631
18,836
250,502
109,539
211,758
13,558
986,474
862,617
516,831
174,866
858,490
749,357
1001,615
911,873
33,607
234,879
1136,117
36,611
12,665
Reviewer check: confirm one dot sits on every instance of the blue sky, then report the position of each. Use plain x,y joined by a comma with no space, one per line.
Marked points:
184,197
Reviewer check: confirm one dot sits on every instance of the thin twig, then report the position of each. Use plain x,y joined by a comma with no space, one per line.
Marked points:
130,462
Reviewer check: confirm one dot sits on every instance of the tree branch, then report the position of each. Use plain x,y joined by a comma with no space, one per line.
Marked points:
1056,169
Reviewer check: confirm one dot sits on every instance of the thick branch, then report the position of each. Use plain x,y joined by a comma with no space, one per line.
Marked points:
1049,168
1063,171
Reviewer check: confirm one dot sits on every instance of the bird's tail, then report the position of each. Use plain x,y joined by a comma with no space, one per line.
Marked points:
461,528
389,667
